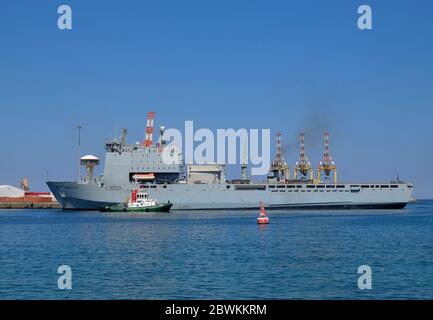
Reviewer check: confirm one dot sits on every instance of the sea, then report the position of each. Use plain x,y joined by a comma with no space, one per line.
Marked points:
341,254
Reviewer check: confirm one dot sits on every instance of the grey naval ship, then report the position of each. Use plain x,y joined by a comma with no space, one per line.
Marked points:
205,187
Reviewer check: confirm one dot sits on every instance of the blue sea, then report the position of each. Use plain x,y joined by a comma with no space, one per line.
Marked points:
218,254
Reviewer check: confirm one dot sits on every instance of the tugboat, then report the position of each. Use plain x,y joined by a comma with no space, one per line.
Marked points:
262,219
139,202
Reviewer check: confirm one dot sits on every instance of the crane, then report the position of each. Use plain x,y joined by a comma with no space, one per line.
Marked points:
149,129
326,165
303,166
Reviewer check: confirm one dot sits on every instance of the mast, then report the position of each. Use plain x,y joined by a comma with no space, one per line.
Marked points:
124,135
149,129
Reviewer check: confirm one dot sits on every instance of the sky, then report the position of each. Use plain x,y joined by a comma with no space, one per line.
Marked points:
291,66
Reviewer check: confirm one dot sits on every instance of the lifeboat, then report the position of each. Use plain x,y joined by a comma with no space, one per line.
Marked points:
262,219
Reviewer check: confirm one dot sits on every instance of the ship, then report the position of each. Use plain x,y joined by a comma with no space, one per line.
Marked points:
139,202
206,187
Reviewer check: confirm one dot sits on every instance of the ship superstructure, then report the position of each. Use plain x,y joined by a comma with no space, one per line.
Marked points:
206,186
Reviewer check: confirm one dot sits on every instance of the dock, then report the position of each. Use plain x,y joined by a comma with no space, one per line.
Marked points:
29,205
19,199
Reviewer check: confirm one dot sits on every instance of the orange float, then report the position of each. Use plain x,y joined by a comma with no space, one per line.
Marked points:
262,219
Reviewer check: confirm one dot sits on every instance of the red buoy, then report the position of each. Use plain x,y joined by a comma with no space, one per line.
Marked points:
262,219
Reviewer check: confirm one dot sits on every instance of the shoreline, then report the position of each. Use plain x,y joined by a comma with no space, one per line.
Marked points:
29,205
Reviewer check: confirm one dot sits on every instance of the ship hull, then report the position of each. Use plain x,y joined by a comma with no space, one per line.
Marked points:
162,207
76,196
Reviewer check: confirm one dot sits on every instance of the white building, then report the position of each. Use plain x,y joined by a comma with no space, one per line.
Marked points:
9,191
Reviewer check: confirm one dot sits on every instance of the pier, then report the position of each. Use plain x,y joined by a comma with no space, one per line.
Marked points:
29,205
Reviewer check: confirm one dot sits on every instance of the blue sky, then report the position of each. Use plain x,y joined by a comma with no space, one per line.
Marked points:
286,65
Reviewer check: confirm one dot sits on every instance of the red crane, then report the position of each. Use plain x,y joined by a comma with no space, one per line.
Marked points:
149,129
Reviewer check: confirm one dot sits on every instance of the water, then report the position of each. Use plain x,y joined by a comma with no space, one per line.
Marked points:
218,255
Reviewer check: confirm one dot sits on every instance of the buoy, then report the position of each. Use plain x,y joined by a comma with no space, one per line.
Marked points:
262,219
